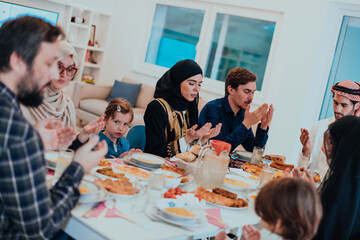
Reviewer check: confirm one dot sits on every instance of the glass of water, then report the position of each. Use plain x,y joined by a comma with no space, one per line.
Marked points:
65,157
266,175
257,155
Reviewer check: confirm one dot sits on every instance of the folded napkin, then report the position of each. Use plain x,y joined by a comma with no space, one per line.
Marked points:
212,215
100,210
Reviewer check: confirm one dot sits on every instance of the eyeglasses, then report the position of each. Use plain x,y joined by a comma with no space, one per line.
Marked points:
70,71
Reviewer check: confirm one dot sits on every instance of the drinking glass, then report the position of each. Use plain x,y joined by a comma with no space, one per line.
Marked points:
140,201
257,155
65,157
155,186
266,175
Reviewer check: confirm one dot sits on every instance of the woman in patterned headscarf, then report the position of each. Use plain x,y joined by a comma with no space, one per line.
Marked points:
171,119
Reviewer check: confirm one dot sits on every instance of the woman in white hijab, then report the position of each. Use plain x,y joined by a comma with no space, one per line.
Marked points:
56,102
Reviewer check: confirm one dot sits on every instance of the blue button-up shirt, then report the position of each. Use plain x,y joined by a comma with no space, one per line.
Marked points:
122,145
233,130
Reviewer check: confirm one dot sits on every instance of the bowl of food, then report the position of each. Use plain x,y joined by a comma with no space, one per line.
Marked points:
178,210
88,189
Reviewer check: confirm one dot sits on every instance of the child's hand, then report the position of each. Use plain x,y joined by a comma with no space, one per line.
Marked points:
91,128
123,154
135,150
250,233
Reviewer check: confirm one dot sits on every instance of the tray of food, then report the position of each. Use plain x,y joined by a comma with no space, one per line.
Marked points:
121,188
222,198
107,172
131,171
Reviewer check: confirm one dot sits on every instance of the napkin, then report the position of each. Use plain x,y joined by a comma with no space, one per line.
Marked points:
98,210
215,212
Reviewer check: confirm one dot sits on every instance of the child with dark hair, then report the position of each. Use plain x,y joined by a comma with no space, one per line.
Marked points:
118,116
288,207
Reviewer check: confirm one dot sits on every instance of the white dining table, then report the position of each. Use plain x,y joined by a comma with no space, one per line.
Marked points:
80,227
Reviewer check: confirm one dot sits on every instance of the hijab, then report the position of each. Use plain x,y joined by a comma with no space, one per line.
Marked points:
168,88
340,191
56,102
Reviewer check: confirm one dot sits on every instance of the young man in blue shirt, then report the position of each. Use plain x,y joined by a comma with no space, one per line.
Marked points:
233,112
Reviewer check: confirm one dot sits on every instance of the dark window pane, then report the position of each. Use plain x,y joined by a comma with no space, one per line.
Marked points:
239,42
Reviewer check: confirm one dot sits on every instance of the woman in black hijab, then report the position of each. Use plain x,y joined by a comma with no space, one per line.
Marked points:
340,191
171,119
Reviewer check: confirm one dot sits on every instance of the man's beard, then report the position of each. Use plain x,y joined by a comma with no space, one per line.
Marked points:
29,97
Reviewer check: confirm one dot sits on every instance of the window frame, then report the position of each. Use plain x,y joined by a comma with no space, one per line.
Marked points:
340,11
211,10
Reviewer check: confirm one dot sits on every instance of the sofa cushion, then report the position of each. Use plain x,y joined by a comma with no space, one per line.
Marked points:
146,94
95,106
129,91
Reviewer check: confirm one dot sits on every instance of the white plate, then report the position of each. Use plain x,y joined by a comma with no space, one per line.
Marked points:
100,197
51,159
123,196
102,176
244,155
242,173
252,183
128,175
146,159
155,213
131,161
229,208
164,203
97,194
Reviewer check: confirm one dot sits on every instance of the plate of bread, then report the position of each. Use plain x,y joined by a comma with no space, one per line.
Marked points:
222,198
278,162
184,159
121,188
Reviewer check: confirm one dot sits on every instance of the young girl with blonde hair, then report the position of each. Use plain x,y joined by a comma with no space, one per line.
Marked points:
118,117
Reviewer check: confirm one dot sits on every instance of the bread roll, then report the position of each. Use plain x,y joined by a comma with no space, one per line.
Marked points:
186,156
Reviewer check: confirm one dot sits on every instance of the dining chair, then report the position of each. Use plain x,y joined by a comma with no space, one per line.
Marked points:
136,137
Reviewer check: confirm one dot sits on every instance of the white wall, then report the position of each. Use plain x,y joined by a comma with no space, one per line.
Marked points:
303,56
300,68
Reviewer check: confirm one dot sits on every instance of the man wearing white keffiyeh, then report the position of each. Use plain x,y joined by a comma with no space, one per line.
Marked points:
346,101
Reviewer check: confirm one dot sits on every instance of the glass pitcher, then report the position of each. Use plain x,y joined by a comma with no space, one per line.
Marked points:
216,162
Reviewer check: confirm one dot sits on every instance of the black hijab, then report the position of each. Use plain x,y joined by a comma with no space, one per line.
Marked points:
168,88
340,192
